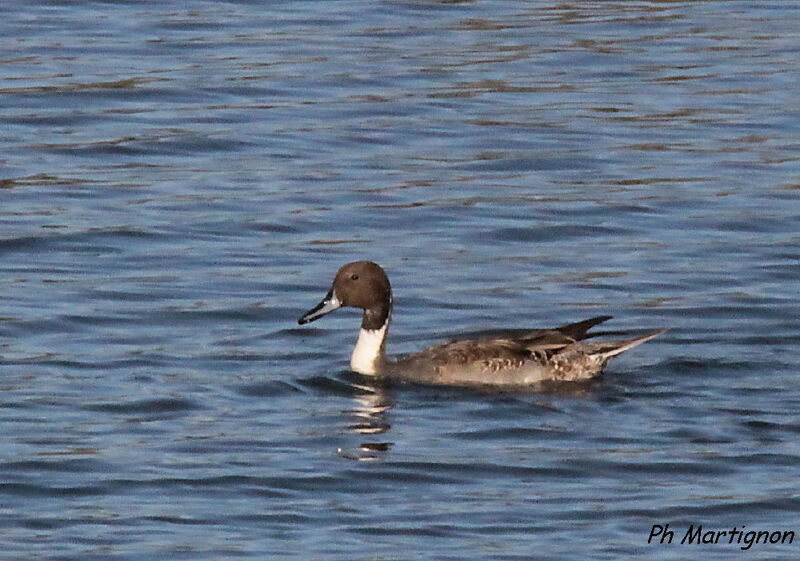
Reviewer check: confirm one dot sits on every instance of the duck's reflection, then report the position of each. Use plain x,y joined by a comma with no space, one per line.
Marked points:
373,401
370,416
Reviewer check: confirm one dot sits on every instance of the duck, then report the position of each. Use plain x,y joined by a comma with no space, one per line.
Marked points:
559,354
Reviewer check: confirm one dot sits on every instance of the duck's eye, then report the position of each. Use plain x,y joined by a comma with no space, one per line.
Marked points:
354,277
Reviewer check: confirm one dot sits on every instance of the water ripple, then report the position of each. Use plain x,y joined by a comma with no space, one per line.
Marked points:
154,406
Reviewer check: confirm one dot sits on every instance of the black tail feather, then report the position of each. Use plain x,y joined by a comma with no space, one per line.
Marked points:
577,330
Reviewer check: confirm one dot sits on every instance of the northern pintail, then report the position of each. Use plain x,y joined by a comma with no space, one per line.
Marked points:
539,355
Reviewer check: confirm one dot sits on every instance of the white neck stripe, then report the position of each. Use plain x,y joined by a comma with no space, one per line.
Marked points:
368,353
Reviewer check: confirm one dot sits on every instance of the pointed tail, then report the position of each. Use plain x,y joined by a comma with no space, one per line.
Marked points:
613,348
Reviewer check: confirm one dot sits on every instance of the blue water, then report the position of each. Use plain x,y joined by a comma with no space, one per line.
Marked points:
178,184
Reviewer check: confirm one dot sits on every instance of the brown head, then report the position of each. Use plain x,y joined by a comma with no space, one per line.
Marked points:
361,284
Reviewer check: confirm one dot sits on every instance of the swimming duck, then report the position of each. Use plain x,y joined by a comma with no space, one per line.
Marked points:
539,355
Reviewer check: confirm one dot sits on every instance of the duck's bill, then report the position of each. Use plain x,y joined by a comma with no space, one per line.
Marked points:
328,304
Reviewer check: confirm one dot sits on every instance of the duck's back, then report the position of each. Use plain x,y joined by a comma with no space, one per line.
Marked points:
496,361
538,356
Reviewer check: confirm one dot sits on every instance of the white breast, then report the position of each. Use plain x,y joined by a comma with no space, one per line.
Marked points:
368,353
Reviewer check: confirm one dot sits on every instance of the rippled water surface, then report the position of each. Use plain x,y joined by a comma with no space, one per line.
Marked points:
179,183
